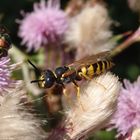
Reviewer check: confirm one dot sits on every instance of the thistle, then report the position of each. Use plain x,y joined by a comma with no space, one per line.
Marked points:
127,116
44,26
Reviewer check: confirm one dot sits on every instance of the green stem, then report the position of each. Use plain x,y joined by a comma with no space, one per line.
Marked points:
127,43
18,56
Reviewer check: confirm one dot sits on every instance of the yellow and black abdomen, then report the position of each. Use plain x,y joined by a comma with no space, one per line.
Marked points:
95,69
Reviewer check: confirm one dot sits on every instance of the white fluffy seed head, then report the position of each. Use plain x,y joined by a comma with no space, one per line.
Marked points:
134,5
98,103
136,134
16,121
89,31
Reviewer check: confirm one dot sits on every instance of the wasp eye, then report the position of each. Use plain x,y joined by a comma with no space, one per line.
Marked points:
49,79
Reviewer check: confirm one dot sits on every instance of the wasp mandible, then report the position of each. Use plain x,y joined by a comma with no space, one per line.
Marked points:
85,68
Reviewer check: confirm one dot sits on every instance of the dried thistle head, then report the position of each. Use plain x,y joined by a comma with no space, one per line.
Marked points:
136,134
74,7
134,5
89,31
98,102
17,122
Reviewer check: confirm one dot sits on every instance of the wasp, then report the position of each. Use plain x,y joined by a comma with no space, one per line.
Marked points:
85,68
5,41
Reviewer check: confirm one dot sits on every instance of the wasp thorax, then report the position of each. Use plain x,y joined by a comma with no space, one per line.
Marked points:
60,70
47,79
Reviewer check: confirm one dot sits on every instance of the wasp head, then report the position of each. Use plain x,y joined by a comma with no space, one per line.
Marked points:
47,79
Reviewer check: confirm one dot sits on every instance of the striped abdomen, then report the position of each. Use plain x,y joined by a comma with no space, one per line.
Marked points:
96,68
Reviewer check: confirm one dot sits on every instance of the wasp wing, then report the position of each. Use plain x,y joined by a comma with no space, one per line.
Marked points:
85,61
89,60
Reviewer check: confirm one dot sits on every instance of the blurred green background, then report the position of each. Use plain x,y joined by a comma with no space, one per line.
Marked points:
127,63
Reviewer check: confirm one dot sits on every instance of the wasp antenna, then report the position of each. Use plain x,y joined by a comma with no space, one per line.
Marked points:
35,81
36,69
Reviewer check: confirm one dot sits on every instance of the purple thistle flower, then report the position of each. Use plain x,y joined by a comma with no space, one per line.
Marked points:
127,116
45,25
5,74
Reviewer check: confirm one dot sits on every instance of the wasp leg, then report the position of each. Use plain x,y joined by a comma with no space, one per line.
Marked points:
78,94
66,95
65,91
88,78
85,76
78,88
